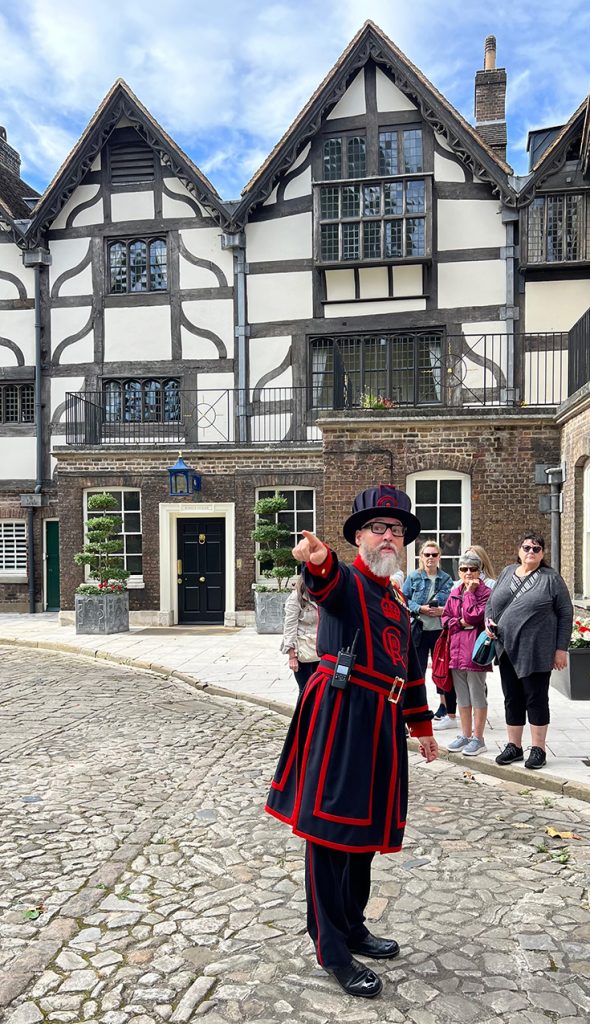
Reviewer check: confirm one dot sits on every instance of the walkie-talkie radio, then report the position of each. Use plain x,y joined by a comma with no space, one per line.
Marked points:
344,665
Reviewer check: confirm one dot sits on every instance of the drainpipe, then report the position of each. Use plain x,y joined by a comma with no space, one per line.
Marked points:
555,477
35,258
237,242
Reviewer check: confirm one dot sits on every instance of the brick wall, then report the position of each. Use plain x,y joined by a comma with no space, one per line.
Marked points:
575,453
227,476
14,597
498,456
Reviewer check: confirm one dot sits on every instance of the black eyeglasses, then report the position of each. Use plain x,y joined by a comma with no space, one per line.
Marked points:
468,568
381,529
535,548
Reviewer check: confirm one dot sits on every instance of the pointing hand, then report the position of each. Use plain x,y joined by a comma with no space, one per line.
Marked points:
310,549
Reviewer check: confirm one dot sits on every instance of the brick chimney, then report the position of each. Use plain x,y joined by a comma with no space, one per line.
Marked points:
9,158
490,101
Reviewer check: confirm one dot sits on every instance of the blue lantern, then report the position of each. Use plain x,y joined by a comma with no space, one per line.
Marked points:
183,480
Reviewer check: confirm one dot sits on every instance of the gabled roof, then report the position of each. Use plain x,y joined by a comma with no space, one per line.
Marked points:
12,190
120,102
558,149
372,43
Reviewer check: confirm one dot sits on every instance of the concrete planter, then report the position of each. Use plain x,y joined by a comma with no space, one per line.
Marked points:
574,680
102,613
269,608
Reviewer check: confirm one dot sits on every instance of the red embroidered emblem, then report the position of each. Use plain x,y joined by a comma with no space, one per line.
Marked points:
391,609
391,644
388,500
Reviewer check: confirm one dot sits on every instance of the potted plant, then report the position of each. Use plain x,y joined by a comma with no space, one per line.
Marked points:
273,553
372,401
102,605
574,680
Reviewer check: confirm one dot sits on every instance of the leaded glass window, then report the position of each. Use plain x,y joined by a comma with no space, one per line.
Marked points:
559,228
17,403
138,265
141,401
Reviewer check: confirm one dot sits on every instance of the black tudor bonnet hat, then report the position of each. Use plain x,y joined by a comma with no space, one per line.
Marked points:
388,500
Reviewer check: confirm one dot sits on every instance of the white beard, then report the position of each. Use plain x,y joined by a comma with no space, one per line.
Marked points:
380,563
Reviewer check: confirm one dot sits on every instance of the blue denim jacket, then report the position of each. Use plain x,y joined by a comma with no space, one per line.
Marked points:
417,588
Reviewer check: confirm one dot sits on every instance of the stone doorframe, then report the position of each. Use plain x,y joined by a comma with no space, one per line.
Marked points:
170,512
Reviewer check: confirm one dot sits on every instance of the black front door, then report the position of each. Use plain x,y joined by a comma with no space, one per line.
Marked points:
201,570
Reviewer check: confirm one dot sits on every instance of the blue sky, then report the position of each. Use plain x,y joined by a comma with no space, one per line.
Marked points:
226,80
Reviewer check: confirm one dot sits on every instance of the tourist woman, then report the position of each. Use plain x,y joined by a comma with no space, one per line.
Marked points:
299,633
530,613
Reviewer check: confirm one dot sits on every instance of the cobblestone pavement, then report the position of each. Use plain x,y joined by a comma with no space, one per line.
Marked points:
140,881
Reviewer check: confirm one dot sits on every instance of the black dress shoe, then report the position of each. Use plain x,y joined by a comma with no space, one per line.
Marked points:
375,948
357,980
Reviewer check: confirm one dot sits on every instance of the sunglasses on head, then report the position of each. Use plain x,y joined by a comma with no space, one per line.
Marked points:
535,548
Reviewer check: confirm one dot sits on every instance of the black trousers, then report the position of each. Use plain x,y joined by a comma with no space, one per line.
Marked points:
425,646
525,697
304,673
337,887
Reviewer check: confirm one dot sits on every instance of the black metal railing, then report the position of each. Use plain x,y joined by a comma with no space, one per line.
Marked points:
462,371
579,354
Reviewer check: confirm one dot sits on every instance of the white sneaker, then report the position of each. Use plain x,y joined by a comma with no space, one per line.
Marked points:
444,723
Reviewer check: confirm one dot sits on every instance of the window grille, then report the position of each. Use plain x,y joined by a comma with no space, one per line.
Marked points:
299,514
389,369
137,265
559,228
17,403
13,547
141,401
442,502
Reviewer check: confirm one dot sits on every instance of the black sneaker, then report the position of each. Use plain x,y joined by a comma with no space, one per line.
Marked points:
536,758
511,753
441,711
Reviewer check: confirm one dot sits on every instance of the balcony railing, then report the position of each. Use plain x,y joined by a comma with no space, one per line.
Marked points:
461,372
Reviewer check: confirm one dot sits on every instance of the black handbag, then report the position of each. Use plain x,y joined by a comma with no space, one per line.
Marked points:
417,628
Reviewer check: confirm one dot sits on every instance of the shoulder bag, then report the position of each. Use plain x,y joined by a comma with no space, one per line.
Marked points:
441,657
484,650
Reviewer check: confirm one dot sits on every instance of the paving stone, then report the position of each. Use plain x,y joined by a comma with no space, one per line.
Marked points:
26,1013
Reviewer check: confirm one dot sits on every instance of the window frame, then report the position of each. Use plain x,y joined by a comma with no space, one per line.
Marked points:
261,492
465,531
135,580
142,381
21,387
19,572
583,230
373,178
586,532
128,241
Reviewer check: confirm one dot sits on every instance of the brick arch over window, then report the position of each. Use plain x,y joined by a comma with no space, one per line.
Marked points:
417,463
441,498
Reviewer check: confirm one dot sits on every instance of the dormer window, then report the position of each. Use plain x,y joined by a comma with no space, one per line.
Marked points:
372,200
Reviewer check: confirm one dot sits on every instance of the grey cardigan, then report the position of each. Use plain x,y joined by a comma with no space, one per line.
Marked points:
536,624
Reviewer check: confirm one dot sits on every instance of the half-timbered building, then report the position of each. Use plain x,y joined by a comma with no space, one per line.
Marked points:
384,301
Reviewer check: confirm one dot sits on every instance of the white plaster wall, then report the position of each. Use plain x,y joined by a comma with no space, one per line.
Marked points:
279,297
446,169
132,206
370,308
272,197
196,347
554,305
205,243
93,215
484,327
66,254
288,238
301,158
177,207
545,377
216,315
59,387
17,458
469,224
353,101
408,280
141,333
17,325
265,355
373,283
339,285
389,97
11,263
214,409
64,323
96,163
478,283
300,185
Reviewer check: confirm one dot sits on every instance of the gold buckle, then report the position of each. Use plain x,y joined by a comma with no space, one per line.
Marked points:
398,683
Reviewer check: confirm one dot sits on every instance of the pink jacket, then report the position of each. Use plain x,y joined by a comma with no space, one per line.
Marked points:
470,607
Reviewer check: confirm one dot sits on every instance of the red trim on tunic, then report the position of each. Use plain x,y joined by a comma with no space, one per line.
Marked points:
418,729
323,568
318,813
394,781
301,778
416,711
311,686
321,595
366,624
362,566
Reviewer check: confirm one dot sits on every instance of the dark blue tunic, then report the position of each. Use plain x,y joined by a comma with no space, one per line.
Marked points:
342,778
